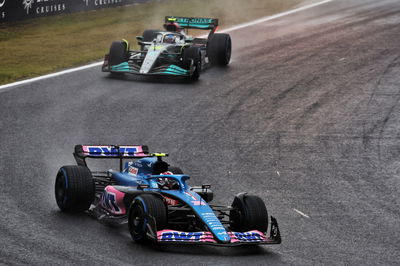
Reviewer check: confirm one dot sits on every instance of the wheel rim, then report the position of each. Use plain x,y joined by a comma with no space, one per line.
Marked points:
138,222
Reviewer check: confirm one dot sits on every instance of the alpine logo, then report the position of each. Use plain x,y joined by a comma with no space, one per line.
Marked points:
2,2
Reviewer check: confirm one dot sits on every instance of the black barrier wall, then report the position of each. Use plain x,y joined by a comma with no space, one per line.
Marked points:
13,10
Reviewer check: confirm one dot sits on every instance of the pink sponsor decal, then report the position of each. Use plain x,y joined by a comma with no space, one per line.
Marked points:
103,150
113,200
236,237
178,236
250,236
198,203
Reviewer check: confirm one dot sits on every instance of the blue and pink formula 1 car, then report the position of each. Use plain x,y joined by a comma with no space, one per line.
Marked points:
156,201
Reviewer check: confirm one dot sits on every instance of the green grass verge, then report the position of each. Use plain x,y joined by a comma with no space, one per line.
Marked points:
44,45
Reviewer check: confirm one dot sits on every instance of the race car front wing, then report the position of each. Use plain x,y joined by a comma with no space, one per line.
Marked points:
253,237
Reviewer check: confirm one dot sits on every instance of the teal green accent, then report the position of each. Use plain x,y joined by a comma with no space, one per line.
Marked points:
169,72
195,20
123,64
172,73
194,25
123,67
174,68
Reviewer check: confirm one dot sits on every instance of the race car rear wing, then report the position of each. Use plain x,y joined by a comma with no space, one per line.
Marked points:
194,23
112,152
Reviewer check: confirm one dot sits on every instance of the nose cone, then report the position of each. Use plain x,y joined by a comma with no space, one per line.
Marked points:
149,60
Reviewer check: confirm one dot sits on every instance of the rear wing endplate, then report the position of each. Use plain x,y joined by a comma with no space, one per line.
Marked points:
194,22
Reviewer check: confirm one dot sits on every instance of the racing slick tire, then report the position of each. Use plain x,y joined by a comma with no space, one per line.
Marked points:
219,49
118,53
74,188
249,213
146,205
189,54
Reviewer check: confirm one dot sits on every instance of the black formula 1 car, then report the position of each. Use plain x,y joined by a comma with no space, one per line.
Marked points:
156,201
171,51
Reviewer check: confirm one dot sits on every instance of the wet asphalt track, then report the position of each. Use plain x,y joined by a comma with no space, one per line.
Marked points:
306,116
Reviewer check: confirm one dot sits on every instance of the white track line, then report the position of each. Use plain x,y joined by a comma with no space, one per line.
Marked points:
264,19
50,75
240,26
301,213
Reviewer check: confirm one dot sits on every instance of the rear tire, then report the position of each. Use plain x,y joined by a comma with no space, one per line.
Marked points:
118,53
249,213
146,204
74,188
189,54
219,49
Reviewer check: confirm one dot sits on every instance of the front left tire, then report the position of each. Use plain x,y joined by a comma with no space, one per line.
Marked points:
142,207
118,53
249,213
189,54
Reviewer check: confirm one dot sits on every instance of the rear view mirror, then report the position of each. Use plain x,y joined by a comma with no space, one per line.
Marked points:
139,38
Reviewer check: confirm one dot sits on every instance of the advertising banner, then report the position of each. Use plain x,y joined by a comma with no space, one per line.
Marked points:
14,10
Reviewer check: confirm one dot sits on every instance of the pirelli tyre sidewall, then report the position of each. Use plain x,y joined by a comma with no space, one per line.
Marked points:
142,207
249,213
118,53
74,188
219,49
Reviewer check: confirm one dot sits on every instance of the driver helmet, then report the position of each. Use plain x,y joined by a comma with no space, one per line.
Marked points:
169,38
167,183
